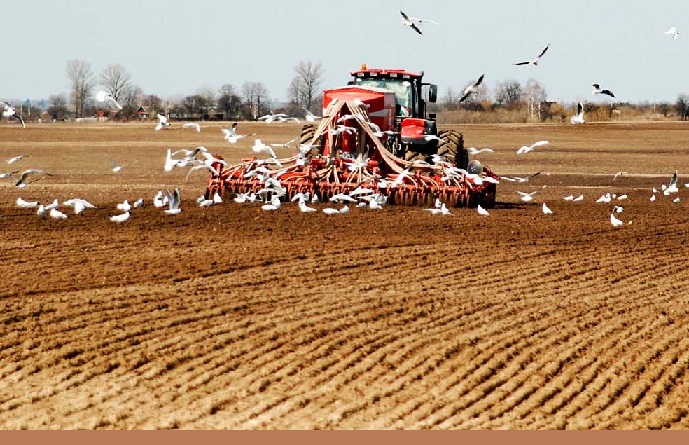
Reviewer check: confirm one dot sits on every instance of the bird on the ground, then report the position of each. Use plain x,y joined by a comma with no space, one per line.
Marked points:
330,211
217,199
598,90
546,209
529,148
303,207
579,117
673,32
78,204
162,122
672,187
414,22
138,203
481,211
122,217
173,202
192,125
26,204
23,179
56,214
535,61
471,89
124,206
615,221
159,200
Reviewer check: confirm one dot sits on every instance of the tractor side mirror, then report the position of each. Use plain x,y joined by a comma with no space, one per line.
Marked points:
432,93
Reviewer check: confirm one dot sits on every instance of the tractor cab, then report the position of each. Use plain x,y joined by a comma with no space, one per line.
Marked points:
407,86
415,128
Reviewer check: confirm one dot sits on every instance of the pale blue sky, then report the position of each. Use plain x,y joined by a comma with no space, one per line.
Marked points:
174,47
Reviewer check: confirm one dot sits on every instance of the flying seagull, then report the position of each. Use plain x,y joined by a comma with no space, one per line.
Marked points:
529,148
116,166
162,122
535,61
597,90
672,32
23,182
476,151
7,110
413,22
192,125
579,117
14,159
471,89
103,96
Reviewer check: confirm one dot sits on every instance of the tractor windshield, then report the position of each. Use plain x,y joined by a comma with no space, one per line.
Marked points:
401,88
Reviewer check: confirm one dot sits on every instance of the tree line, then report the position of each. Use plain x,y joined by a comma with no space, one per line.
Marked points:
249,101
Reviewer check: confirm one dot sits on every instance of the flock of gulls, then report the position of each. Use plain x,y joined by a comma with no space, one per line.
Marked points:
270,196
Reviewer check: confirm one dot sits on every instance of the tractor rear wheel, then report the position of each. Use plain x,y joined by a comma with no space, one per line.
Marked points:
307,132
451,147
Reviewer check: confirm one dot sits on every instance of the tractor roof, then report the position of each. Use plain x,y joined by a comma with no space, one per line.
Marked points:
381,72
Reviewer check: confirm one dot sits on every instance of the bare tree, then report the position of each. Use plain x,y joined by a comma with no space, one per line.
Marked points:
58,107
294,91
682,106
255,97
82,82
534,93
115,79
130,99
309,78
229,102
508,93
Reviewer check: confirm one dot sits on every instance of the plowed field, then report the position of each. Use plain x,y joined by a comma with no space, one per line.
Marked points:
233,317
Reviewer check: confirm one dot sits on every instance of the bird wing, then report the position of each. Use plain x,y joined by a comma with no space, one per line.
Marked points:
480,79
466,95
404,16
416,28
539,143
544,51
523,63
580,109
607,93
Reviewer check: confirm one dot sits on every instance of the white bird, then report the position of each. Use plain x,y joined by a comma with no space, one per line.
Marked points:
481,211
274,204
344,209
192,125
124,206
205,202
676,200
579,198
285,145
653,198
529,148
330,211
14,159
476,151
120,218
9,111
439,210
672,188
471,89
305,208
597,90
217,199
527,197
116,166
56,214
259,147
546,209
569,198
615,221
672,32
618,174
22,181
26,204
342,197
268,118
518,178
158,200
414,22
78,204
535,61
605,198
173,202
103,96
579,117
309,116
162,122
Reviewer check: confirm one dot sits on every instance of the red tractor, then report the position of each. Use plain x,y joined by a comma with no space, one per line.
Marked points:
375,134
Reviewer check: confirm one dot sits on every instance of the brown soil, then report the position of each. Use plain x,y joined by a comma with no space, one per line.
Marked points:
232,317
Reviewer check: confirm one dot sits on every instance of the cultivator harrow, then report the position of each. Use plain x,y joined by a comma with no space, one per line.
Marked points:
348,151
